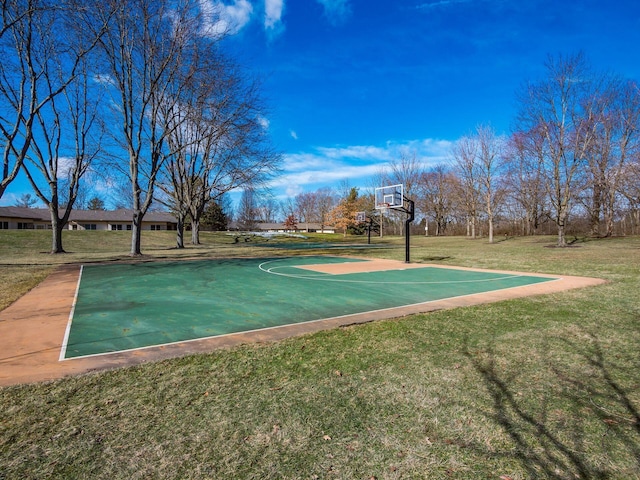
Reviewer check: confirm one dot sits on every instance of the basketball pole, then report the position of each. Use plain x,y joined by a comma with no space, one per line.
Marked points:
407,230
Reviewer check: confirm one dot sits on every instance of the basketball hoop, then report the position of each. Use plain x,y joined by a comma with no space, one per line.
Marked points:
389,197
392,196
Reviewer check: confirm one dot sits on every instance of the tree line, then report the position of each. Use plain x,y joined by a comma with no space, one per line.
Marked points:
140,90
572,160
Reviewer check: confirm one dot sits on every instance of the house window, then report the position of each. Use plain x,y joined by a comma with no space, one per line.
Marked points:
25,226
4,225
156,227
89,226
129,227
116,226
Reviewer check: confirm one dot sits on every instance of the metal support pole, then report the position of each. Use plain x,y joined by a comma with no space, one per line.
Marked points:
407,230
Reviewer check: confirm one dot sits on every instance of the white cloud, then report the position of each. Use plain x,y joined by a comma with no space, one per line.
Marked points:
358,152
221,19
65,167
293,134
328,166
264,122
104,79
337,11
440,3
272,13
10,199
293,190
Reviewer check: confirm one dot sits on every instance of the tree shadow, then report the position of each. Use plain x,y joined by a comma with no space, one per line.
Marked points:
582,426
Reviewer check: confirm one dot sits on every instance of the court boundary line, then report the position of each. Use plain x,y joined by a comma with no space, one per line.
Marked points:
31,328
67,332
551,279
329,277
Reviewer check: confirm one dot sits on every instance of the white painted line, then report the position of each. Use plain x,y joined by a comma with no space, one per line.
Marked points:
63,350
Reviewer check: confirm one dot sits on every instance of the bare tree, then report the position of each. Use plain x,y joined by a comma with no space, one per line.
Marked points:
630,190
325,201
217,140
64,144
616,123
439,185
268,209
306,207
490,148
560,109
246,213
408,171
143,53
465,167
37,66
524,179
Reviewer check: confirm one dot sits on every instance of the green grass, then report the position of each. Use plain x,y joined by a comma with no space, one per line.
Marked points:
542,387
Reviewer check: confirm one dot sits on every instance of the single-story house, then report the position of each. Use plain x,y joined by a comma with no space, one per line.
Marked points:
304,227
21,218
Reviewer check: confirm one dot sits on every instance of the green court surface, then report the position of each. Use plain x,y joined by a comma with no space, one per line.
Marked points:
129,306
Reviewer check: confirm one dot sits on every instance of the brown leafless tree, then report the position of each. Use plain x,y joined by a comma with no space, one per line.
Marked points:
524,180
465,168
490,151
560,109
306,208
268,209
630,191
616,118
143,54
217,140
325,202
439,186
408,171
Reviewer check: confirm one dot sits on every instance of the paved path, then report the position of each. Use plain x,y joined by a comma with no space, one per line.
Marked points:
32,329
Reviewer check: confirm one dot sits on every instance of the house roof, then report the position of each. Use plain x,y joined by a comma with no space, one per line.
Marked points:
122,215
281,226
23,212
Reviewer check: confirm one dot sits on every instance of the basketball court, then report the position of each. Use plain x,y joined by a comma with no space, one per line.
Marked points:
104,316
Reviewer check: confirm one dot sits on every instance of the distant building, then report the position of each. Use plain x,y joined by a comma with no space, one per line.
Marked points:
21,218
303,227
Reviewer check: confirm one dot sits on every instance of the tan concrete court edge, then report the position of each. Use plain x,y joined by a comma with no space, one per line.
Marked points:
32,329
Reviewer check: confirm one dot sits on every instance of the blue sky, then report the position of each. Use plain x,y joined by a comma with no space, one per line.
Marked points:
351,84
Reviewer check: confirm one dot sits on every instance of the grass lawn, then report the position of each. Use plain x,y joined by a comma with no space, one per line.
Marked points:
542,387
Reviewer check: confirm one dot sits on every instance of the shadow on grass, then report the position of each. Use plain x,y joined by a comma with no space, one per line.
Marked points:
583,426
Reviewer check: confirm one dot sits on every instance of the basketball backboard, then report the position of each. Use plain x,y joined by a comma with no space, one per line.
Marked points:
361,217
391,196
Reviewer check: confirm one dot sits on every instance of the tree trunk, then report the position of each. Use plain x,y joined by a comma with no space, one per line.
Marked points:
490,228
180,232
56,230
562,241
136,233
195,232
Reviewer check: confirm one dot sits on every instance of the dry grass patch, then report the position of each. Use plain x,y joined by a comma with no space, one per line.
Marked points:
543,387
